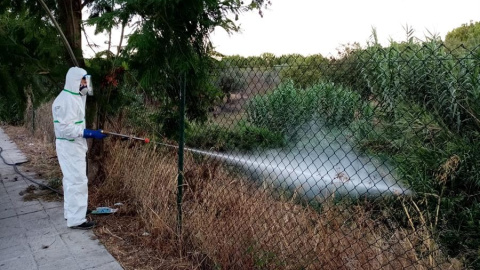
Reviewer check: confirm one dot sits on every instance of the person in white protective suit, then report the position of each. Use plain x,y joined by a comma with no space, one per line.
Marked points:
69,124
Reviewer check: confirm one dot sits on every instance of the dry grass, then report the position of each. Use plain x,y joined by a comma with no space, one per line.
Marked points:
228,223
42,158
39,122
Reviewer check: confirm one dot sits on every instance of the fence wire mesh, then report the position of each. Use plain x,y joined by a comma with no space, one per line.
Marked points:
365,161
369,160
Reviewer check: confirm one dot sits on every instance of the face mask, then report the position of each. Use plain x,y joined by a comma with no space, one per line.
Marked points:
86,89
83,90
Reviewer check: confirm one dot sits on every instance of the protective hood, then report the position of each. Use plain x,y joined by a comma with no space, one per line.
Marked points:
73,79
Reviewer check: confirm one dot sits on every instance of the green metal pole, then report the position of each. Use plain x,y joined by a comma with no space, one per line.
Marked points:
33,111
181,141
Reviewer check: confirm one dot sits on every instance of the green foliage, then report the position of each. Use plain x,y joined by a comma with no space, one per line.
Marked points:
112,92
287,108
464,37
228,79
282,111
440,166
414,104
422,117
30,62
233,60
240,137
336,105
171,43
346,69
304,71
442,82
12,102
264,60
422,84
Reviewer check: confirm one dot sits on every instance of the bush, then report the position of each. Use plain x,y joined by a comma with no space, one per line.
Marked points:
287,108
282,111
440,166
304,71
241,137
336,105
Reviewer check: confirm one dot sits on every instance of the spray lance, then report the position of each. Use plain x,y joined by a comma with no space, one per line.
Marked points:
146,140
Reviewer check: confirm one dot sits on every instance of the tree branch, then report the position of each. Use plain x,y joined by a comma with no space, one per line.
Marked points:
64,39
86,2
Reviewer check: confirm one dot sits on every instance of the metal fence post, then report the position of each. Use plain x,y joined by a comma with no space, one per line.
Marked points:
33,118
181,140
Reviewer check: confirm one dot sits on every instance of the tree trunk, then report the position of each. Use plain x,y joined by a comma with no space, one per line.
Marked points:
70,18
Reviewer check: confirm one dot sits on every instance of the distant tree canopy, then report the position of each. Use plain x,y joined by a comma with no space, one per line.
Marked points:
270,60
467,35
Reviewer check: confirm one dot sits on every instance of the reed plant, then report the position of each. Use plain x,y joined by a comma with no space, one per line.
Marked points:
288,107
39,121
414,105
425,112
282,110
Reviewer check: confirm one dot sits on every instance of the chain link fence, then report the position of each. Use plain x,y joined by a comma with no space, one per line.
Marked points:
365,161
369,160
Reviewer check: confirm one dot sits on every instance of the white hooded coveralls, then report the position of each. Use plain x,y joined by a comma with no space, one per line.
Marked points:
69,122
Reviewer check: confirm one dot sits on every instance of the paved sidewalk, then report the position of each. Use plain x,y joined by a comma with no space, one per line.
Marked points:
34,234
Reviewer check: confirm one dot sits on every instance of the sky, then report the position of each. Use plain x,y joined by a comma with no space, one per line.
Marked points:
322,26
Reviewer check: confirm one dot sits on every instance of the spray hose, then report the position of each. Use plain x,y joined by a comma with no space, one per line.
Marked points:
147,140
14,165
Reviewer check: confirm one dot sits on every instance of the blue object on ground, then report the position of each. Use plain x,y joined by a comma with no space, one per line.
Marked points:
104,210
